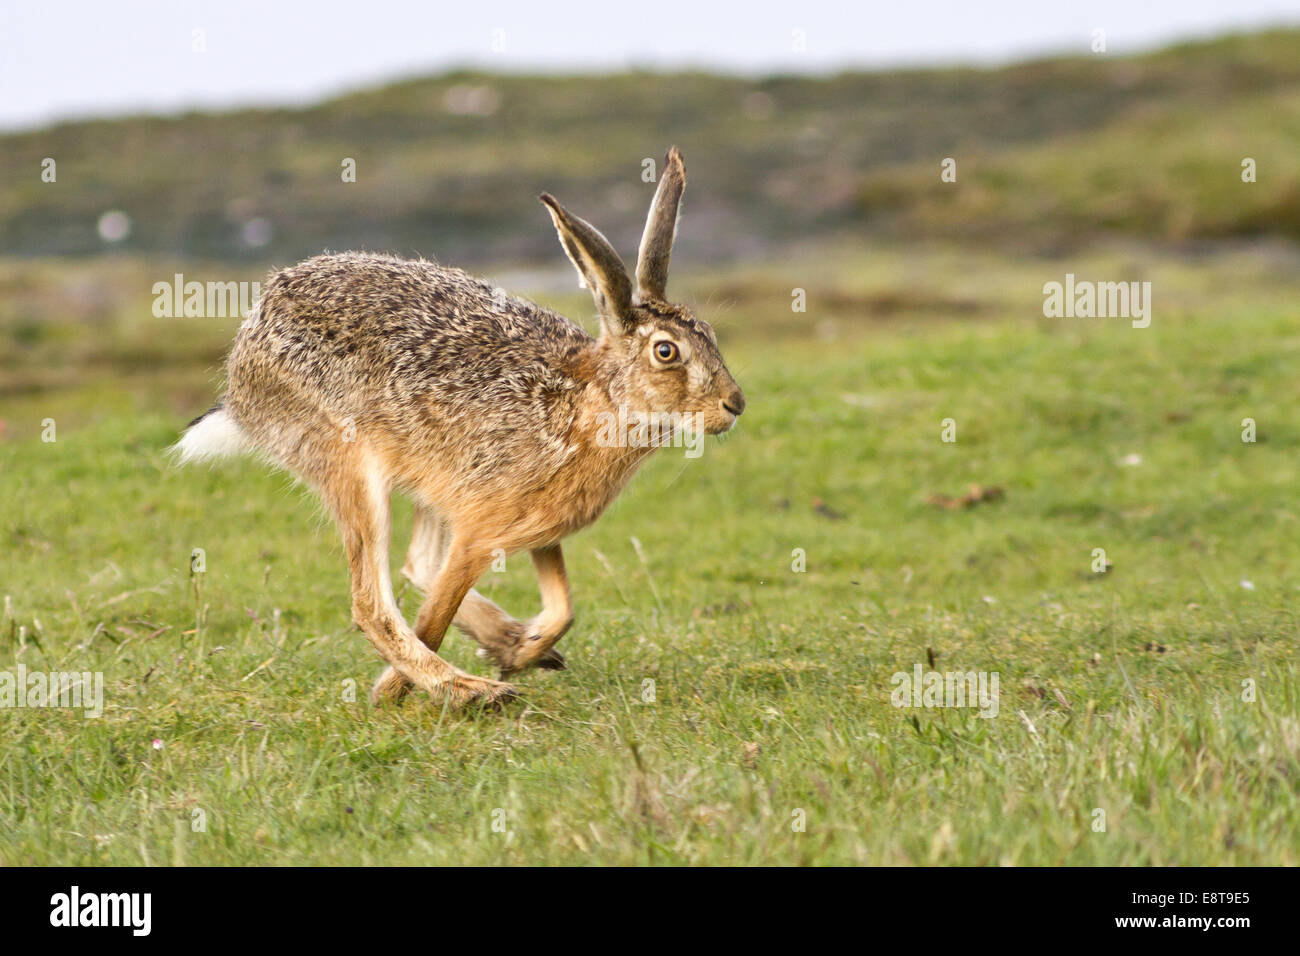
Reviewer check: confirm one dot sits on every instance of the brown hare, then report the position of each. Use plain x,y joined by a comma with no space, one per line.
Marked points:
363,374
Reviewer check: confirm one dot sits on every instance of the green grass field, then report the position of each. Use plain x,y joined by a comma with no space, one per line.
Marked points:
1126,691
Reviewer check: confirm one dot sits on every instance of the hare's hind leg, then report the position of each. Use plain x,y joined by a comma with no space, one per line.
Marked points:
359,500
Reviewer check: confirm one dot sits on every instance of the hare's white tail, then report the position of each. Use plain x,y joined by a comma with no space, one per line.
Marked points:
214,435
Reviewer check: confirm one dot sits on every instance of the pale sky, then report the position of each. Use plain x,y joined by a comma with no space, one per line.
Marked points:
79,58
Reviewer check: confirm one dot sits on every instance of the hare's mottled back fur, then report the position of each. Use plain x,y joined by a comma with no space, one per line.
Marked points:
366,373
483,385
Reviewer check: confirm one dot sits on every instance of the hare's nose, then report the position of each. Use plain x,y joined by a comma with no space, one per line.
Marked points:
735,402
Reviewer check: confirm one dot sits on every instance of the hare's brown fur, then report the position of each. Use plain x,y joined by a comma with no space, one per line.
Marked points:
363,374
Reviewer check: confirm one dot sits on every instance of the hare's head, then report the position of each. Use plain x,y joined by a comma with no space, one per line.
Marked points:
664,359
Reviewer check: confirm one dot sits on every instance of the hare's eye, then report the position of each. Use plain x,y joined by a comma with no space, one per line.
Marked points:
665,351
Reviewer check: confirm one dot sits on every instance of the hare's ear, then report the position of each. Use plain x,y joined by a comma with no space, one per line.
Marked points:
660,230
599,266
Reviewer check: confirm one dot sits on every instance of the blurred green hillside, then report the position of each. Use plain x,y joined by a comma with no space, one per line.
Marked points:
1050,154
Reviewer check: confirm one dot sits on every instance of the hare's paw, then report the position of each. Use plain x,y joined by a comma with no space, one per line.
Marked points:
460,691
502,647
466,690
548,660
552,660
535,650
390,688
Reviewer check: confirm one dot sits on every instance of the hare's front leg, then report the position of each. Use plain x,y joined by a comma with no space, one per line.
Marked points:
360,503
516,645
540,634
495,631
